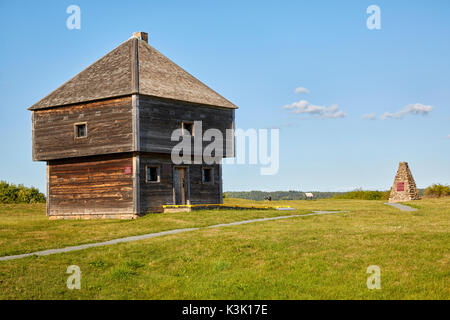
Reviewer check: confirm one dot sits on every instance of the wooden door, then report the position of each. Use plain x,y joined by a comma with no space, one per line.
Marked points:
180,185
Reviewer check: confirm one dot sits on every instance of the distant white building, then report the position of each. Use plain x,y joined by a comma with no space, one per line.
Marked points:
309,195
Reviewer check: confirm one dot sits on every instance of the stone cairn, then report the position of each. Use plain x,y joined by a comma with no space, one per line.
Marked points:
404,188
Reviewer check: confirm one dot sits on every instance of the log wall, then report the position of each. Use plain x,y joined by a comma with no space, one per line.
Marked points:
91,187
109,129
159,117
155,194
87,177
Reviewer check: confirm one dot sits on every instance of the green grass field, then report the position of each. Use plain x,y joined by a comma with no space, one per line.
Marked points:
311,257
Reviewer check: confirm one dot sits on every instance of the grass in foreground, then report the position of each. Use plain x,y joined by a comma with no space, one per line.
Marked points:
25,228
316,257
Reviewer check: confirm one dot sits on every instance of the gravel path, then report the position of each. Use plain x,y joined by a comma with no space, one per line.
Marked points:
402,207
154,235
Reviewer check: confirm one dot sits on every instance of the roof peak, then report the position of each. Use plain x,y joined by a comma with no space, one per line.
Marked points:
134,67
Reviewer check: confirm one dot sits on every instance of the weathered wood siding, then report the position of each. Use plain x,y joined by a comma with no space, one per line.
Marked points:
159,117
204,193
101,185
155,194
109,129
86,176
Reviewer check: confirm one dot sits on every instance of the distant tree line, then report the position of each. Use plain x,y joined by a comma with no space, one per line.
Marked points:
300,195
10,193
277,195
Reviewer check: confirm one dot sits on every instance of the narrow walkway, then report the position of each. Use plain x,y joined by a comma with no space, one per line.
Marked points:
402,207
154,235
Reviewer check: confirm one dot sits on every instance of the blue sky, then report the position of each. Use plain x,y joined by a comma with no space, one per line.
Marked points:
255,53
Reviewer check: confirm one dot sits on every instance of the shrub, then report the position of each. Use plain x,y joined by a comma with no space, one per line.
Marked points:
10,193
437,190
363,195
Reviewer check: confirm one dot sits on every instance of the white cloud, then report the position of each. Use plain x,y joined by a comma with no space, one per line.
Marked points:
369,116
413,109
304,107
301,90
448,137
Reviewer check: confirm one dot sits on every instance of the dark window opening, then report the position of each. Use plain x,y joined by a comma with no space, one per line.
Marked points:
207,175
152,174
81,130
188,128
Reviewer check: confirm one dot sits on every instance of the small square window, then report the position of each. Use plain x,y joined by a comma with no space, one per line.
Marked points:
80,130
152,174
188,128
207,175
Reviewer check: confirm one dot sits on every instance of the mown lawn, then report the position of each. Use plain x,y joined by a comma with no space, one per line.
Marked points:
312,257
25,228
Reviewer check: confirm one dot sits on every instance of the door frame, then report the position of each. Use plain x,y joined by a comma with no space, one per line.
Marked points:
187,190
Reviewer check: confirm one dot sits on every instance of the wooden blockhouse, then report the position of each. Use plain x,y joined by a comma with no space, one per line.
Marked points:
106,136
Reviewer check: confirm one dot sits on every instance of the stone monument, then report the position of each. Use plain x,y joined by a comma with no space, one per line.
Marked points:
404,188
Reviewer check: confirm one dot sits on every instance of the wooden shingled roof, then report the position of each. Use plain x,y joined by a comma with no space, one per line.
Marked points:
133,67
